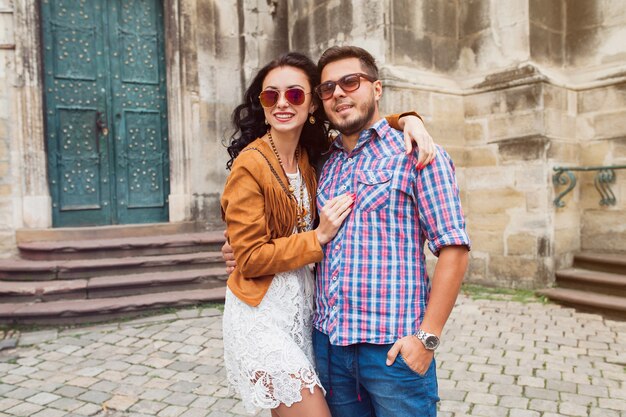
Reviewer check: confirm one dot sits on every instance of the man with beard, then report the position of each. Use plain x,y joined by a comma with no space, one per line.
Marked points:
378,320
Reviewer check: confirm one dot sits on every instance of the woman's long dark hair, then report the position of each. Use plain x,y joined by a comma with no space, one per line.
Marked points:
249,120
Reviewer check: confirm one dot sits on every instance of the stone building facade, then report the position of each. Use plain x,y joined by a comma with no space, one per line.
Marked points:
511,88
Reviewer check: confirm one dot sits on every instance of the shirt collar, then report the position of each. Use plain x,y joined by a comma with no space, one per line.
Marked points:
378,129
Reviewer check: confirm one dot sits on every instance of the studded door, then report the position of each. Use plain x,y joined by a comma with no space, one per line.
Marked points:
106,111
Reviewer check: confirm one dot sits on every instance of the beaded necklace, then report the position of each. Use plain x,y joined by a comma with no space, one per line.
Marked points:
301,211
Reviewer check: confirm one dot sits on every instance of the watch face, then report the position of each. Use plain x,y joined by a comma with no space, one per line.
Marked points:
431,342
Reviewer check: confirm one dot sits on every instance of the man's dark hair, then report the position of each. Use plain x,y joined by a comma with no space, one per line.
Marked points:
336,53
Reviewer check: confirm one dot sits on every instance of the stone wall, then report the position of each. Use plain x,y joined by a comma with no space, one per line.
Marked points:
500,85
228,41
602,130
7,185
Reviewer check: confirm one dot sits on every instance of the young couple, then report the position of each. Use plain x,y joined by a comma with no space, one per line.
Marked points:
357,339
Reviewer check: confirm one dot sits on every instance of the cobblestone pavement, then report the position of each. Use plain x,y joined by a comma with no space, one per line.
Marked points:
498,358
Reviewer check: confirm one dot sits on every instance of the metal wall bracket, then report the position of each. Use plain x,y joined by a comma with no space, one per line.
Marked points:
604,178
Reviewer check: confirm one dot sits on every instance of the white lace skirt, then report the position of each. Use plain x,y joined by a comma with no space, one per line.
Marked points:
268,351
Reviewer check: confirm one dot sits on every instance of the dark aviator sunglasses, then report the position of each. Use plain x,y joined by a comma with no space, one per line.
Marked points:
348,83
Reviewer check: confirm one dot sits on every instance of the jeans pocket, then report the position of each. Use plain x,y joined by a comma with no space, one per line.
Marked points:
404,364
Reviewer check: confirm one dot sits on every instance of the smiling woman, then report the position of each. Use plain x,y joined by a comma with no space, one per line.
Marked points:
269,207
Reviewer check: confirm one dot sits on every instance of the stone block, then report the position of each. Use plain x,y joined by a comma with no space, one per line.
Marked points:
602,99
446,133
494,177
446,54
410,49
481,156
7,244
438,16
447,107
567,219
494,222
526,97
457,153
4,150
527,148
5,190
4,169
399,100
559,124
531,177
521,272
407,14
564,153
475,132
487,242
495,201
555,97
547,14
610,125
516,125
477,267
538,201
521,244
484,104
595,153
582,46
474,16
582,14
619,151
604,230
6,29
5,127
546,46
584,127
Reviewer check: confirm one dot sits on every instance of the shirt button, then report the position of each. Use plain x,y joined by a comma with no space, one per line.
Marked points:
343,187
334,308
337,247
349,159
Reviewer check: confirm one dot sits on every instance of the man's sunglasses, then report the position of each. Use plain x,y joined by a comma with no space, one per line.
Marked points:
350,82
295,96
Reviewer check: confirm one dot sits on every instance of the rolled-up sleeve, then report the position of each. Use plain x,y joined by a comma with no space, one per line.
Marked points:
440,212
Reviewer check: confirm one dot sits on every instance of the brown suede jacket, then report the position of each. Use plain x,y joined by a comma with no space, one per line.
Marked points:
260,218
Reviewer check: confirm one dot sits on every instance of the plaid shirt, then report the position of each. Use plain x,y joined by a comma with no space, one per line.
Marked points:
372,286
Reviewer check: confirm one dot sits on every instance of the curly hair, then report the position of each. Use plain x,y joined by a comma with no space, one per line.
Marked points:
248,118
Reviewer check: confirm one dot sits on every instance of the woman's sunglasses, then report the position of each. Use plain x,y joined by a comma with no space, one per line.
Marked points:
350,82
269,98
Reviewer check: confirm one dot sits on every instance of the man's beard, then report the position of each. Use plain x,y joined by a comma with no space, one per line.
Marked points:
351,127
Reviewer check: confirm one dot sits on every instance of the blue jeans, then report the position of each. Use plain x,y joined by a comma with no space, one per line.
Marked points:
358,383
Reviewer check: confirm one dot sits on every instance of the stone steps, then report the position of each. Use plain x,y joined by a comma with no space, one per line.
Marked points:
604,262
93,274
608,305
29,270
94,310
596,283
111,286
121,247
592,281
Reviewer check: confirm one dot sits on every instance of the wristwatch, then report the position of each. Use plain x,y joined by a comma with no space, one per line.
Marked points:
429,340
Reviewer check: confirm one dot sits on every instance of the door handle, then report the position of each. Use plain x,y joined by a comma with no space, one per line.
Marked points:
101,125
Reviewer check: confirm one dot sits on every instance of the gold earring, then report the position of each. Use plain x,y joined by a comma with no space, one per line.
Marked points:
311,119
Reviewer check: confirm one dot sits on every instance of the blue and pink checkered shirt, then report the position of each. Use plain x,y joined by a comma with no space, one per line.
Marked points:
372,286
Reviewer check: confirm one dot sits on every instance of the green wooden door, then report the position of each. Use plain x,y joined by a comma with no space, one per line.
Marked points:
106,111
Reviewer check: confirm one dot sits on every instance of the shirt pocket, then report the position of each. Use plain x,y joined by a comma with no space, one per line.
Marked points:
373,190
